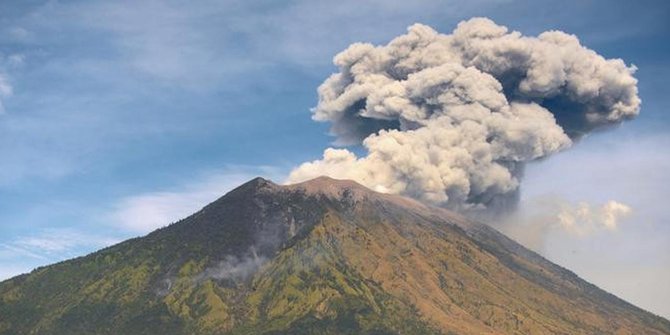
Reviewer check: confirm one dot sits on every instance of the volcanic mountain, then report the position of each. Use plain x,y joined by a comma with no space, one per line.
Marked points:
321,257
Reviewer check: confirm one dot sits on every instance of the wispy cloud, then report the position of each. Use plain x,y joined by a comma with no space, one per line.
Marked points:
144,212
542,217
58,241
54,243
218,43
6,89
25,252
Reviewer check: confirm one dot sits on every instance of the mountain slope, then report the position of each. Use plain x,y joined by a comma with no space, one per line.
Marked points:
321,257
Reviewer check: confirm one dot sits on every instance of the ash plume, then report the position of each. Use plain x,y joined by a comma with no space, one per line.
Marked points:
453,119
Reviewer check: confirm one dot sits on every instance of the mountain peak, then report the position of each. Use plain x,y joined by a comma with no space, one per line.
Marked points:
319,186
340,189
258,182
252,186
330,187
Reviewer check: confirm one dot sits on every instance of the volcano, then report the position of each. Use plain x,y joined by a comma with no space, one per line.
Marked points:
321,257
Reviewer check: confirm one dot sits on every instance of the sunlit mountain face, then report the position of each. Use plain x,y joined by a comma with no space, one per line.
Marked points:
321,257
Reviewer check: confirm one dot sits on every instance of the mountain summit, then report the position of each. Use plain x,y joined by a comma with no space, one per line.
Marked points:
321,257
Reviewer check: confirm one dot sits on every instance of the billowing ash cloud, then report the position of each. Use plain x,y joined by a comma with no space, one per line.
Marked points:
452,119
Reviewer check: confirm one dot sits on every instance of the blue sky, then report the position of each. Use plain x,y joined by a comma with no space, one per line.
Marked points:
119,117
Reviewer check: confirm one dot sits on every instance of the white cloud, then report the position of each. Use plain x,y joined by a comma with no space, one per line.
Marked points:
142,213
540,219
584,218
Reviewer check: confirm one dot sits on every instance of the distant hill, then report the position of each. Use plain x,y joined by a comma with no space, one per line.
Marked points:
322,257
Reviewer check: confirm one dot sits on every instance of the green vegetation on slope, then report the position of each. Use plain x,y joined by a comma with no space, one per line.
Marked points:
267,259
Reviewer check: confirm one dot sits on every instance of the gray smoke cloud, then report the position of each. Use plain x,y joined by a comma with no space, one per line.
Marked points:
452,119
